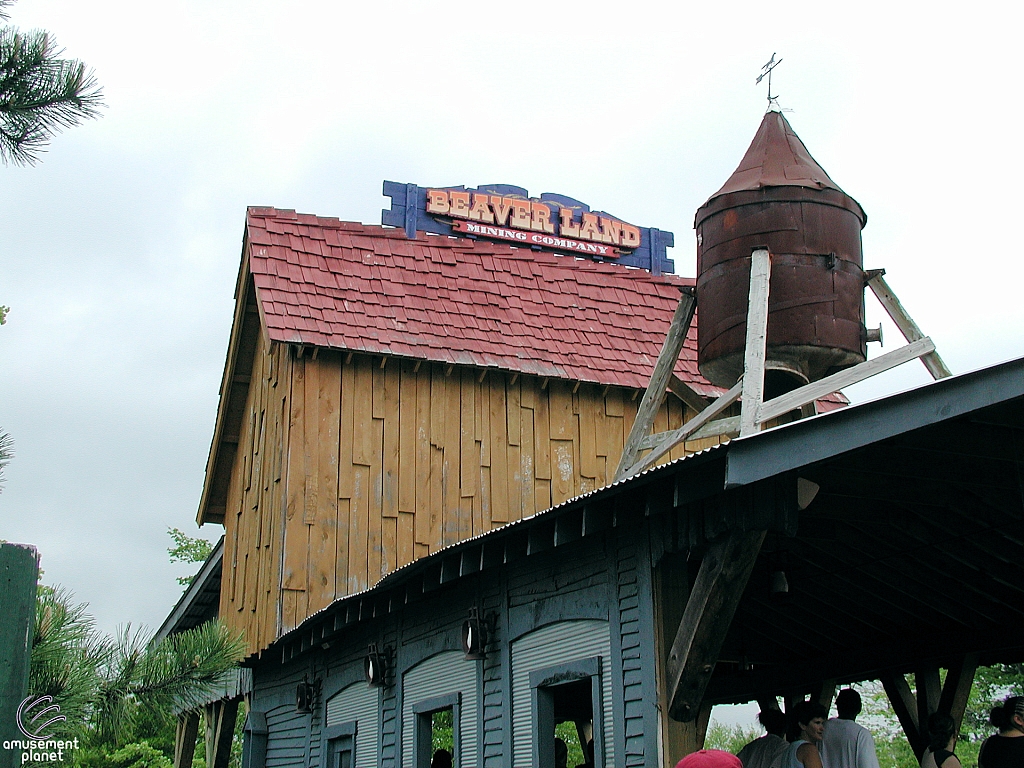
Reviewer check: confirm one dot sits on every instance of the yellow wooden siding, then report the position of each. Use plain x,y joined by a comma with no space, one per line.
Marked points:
251,581
392,460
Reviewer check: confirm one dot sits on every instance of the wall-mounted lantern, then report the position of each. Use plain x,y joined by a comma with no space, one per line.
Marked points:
475,635
305,696
376,666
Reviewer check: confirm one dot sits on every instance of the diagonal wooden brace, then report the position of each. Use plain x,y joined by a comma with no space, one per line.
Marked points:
716,593
657,389
904,322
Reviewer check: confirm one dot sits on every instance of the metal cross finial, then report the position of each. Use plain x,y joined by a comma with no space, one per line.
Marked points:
767,70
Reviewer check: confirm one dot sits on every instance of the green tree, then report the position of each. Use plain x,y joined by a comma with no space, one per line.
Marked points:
40,92
116,692
187,550
6,453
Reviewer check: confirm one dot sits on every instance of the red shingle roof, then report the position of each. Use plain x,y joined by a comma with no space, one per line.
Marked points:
365,288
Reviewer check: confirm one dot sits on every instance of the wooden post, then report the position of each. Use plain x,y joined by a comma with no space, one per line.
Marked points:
903,321
654,396
716,593
220,729
757,338
823,693
926,680
19,571
694,734
185,735
957,687
903,704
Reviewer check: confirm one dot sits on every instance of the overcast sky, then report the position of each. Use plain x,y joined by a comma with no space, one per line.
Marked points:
119,251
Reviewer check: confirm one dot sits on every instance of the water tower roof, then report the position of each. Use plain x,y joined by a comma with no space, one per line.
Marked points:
778,158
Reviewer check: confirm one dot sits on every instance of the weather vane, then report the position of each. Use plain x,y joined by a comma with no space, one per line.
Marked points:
767,70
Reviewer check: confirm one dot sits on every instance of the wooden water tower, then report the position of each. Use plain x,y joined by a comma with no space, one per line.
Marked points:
780,199
780,288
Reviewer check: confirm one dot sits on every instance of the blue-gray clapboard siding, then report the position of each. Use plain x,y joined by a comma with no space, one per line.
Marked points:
600,581
440,675
358,703
557,644
287,737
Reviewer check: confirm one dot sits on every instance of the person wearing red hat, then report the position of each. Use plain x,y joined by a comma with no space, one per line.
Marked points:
710,758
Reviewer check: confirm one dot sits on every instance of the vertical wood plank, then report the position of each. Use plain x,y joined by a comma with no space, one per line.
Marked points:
363,447
346,478
295,539
452,467
512,390
392,441
470,463
324,535
359,523
527,479
424,503
374,545
439,470
563,471
406,538
408,451
542,438
590,406
310,450
499,440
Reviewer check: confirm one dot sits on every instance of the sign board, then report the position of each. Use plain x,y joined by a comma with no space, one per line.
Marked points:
507,213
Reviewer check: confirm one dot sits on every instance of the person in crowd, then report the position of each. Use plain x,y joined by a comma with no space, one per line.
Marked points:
710,758
765,751
846,744
941,743
442,759
1006,748
803,752
561,753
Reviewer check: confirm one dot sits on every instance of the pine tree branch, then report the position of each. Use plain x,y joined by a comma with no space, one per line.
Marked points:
40,94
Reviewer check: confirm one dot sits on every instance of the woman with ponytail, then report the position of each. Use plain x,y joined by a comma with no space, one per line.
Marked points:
1006,748
941,743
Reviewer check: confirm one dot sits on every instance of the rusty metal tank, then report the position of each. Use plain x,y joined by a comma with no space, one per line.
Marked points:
780,198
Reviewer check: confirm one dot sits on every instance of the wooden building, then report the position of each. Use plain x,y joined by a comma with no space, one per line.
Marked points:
640,605
384,397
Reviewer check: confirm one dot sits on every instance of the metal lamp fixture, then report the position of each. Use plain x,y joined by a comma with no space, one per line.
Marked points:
474,635
305,696
376,666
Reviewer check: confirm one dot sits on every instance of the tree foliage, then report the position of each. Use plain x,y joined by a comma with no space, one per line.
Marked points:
115,690
6,453
187,549
40,92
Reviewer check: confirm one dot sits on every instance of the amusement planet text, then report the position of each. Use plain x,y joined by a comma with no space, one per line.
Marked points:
41,750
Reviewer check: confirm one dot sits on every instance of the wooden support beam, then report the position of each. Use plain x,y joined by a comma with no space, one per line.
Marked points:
811,392
957,687
185,735
666,441
716,593
654,396
693,735
757,339
929,688
825,693
687,394
901,698
220,728
903,321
